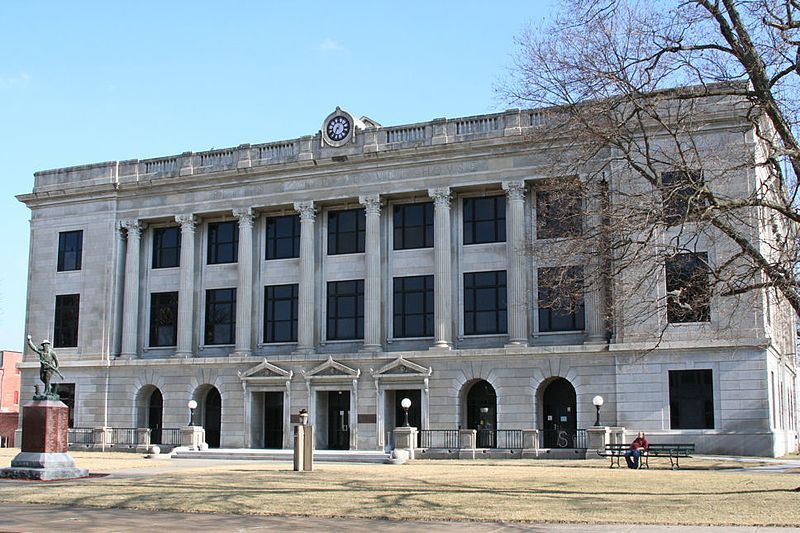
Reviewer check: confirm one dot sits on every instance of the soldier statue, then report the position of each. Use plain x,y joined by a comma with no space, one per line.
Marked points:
48,365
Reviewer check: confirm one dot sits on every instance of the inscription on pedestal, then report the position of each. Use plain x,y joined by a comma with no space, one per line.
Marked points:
44,427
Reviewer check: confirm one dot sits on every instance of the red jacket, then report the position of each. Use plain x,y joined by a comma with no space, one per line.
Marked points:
639,442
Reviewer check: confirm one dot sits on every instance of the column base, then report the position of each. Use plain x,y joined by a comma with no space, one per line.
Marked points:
371,348
516,344
184,355
304,351
240,353
445,347
128,356
596,340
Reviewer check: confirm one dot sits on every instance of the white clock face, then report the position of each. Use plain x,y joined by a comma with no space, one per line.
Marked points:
338,128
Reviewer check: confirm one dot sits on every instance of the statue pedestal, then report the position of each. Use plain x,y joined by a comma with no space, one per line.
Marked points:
44,444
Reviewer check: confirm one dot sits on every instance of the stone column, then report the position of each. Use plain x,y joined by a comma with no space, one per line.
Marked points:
244,289
372,283
516,285
186,292
442,270
306,309
593,293
130,306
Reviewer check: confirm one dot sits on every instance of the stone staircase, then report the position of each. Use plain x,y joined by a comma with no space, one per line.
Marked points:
252,454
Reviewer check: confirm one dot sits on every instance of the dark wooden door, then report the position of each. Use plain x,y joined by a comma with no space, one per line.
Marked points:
273,420
155,410
338,420
560,421
212,417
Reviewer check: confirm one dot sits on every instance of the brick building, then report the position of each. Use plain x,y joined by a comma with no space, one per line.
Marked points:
9,395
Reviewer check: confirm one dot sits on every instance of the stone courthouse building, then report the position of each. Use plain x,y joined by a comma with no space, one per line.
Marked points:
344,271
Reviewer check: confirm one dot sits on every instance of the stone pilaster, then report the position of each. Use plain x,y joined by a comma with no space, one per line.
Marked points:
442,278
594,283
372,282
244,288
186,291
306,309
516,285
130,306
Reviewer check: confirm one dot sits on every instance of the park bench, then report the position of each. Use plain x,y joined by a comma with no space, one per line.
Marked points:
673,451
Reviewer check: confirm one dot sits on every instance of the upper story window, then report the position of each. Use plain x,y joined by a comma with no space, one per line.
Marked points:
682,195
70,250
558,214
163,319
220,316
166,247
691,399
688,289
223,242
283,237
345,310
561,305
65,321
346,231
413,306
280,313
413,226
485,220
485,303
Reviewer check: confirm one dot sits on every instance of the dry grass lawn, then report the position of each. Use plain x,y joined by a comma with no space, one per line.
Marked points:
703,492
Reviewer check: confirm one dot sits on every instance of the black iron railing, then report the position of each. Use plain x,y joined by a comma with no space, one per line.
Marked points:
562,438
438,438
124,436
80,436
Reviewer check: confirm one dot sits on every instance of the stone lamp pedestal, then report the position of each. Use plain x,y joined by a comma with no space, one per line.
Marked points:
44,444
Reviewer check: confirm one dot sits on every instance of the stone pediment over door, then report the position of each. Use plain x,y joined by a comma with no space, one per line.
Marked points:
331,370
402,369
265,373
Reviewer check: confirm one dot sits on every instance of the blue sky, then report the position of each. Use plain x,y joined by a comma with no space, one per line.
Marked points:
84,82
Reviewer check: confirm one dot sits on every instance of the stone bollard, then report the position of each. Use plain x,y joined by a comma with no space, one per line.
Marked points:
193,437
405,438
467,439
142,439
596,438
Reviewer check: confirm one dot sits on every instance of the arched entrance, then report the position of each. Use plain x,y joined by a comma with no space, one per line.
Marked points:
155,411
482,413
212,417
560,423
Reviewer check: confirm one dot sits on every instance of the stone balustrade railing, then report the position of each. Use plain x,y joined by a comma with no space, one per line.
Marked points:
436,132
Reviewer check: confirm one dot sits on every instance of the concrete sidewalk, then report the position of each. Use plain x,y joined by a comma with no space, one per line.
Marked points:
42,518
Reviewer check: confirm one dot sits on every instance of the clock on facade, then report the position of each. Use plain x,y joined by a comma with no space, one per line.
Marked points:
338,128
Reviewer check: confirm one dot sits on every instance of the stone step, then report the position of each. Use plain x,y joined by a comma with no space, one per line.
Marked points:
245,454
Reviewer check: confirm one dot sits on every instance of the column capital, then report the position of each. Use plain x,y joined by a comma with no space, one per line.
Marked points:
187,221
245,216
441,196
515,190
371,203
306,210
133,226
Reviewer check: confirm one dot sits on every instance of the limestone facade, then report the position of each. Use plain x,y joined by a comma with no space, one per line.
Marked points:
352,387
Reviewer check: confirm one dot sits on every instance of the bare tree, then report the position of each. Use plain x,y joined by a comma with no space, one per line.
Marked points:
680,119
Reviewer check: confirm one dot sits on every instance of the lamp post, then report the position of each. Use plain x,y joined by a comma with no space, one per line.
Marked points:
597,401
303,417
405,403
192,406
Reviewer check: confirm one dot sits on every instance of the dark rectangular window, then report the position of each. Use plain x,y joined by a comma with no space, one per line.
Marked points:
66,392
346,231
691,399
223,242
166,247
163,318
558,213
346,310
413,226
682,195
561,299
485,303
413,306
220,316
688,289
65,323
283,237
70,250
484,220
280,313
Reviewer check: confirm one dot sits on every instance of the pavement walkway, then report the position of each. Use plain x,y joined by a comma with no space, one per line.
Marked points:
42,518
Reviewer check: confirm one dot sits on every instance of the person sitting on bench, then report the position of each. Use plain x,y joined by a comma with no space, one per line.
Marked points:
633,453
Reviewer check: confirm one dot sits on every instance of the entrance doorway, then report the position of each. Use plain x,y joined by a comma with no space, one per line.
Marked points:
338,420
560,428
155,409
212,417
273,420
482,413
414,412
